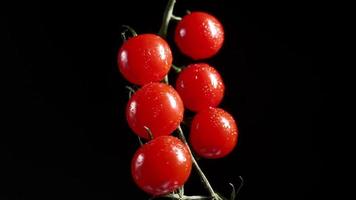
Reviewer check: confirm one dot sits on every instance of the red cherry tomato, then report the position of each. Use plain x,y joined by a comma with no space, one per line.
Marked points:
156,106
144,58
213,133
200,86
199,35
162,165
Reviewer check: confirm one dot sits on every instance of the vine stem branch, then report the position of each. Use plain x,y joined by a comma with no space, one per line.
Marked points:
127,28
176,69
197,167
167,17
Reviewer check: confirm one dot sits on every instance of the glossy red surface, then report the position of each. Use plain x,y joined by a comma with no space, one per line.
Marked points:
200,86
213,133
156,106
161,165
144,58
199,35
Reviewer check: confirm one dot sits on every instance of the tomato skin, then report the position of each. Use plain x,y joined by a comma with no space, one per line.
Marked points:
161,165
144,58
199,35
213,133
200,86
157,106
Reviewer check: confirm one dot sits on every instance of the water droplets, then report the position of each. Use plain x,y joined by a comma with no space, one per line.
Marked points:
180,154
162,52
225,122
133,107
213,80
172,100
212,28
124,58
182,32
139,161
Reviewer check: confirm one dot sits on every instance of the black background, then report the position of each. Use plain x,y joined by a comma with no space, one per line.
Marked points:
65,135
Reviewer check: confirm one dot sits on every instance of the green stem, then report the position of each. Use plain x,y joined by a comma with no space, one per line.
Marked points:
184,197
167,16
127,28
196,165
148,130
131,90
181,191
176,69
176,18
165,80
139,140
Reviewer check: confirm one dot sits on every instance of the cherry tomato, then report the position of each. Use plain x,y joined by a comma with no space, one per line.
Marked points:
162,165
199,35
200,86
144,58
156,106
213,133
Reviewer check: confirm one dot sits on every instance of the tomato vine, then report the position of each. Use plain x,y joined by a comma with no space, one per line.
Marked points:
155,110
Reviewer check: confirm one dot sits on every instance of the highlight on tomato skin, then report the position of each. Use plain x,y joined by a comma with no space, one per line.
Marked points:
162,165
213,133
199,35
200,86
156,106
144,58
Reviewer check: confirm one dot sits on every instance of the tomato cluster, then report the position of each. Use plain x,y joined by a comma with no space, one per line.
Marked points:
154,111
